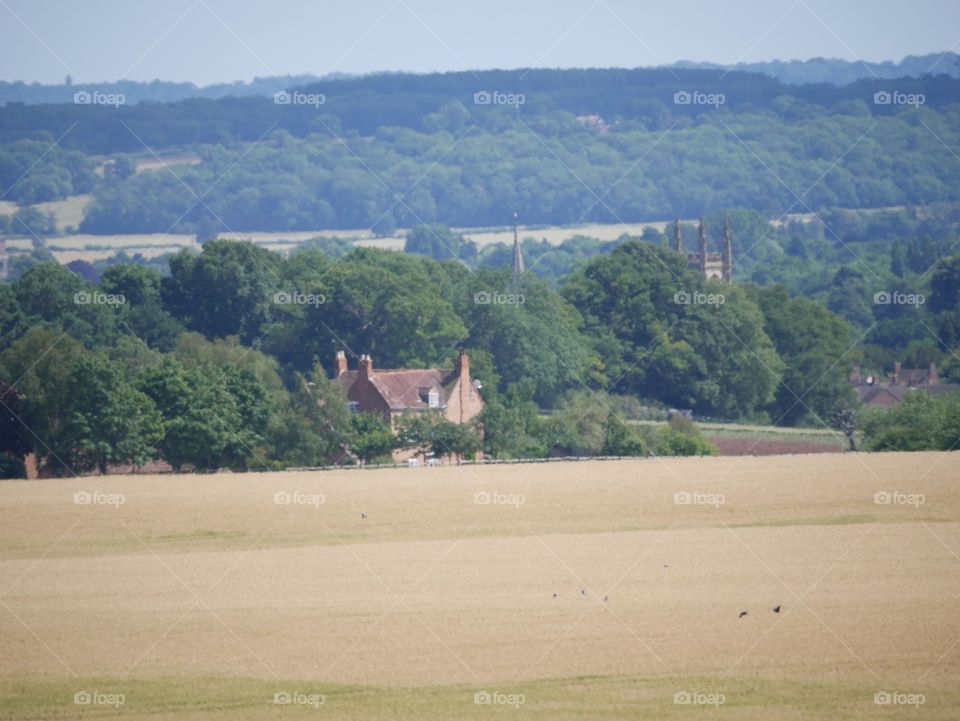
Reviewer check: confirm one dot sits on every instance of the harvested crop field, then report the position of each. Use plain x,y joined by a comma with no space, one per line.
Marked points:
593,590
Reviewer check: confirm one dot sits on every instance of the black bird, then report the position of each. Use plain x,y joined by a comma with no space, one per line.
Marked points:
776,609
556,595
605,599
742,614
363,515
583,592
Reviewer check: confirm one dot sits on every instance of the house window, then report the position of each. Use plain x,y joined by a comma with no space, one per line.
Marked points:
354,406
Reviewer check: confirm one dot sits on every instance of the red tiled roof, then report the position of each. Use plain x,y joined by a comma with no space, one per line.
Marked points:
401,388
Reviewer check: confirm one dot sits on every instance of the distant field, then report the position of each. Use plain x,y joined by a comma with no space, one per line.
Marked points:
68,212
165,161
571,590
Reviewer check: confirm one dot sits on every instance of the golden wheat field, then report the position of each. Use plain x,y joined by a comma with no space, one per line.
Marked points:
588,590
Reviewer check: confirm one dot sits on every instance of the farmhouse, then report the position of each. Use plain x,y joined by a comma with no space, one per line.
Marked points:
874,391
392,393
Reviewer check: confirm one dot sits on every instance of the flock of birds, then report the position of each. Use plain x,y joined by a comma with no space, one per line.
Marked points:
583,591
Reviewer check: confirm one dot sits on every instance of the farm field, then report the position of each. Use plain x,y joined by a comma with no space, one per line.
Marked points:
69,213
591,590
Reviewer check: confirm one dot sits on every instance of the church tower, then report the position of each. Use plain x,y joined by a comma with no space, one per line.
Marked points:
677,240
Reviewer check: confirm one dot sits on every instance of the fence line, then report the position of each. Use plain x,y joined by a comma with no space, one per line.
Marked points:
482,462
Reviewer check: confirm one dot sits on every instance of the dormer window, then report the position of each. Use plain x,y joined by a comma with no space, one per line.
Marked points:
430,396
354,406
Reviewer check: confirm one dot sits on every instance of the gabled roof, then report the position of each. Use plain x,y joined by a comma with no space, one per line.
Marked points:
400,388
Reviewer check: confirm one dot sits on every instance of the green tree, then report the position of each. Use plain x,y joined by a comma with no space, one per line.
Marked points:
107,421
812,342
228,289
372,437
437,241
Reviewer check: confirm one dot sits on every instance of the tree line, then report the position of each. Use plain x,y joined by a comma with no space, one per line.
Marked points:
224,362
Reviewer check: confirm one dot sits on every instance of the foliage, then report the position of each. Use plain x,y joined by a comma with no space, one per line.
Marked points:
920,423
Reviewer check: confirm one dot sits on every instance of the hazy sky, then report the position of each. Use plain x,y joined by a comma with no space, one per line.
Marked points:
208,41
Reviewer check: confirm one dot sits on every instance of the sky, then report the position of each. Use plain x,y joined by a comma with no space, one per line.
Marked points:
210,41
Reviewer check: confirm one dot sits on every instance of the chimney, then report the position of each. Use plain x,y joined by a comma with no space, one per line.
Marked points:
341,363
366,366
932,378
895,378
855,375
463,363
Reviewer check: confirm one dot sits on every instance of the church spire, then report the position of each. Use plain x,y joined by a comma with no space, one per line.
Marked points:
517,257
702,248
727,257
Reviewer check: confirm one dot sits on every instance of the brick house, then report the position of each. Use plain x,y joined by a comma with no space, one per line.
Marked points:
875,391
392,393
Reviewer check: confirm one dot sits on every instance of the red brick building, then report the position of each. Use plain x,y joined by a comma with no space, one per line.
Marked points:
395,392
876,391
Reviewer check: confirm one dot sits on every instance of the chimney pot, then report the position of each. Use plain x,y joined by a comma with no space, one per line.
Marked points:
366,366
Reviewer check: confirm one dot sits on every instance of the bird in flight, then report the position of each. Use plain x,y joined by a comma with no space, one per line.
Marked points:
776,609
742,614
